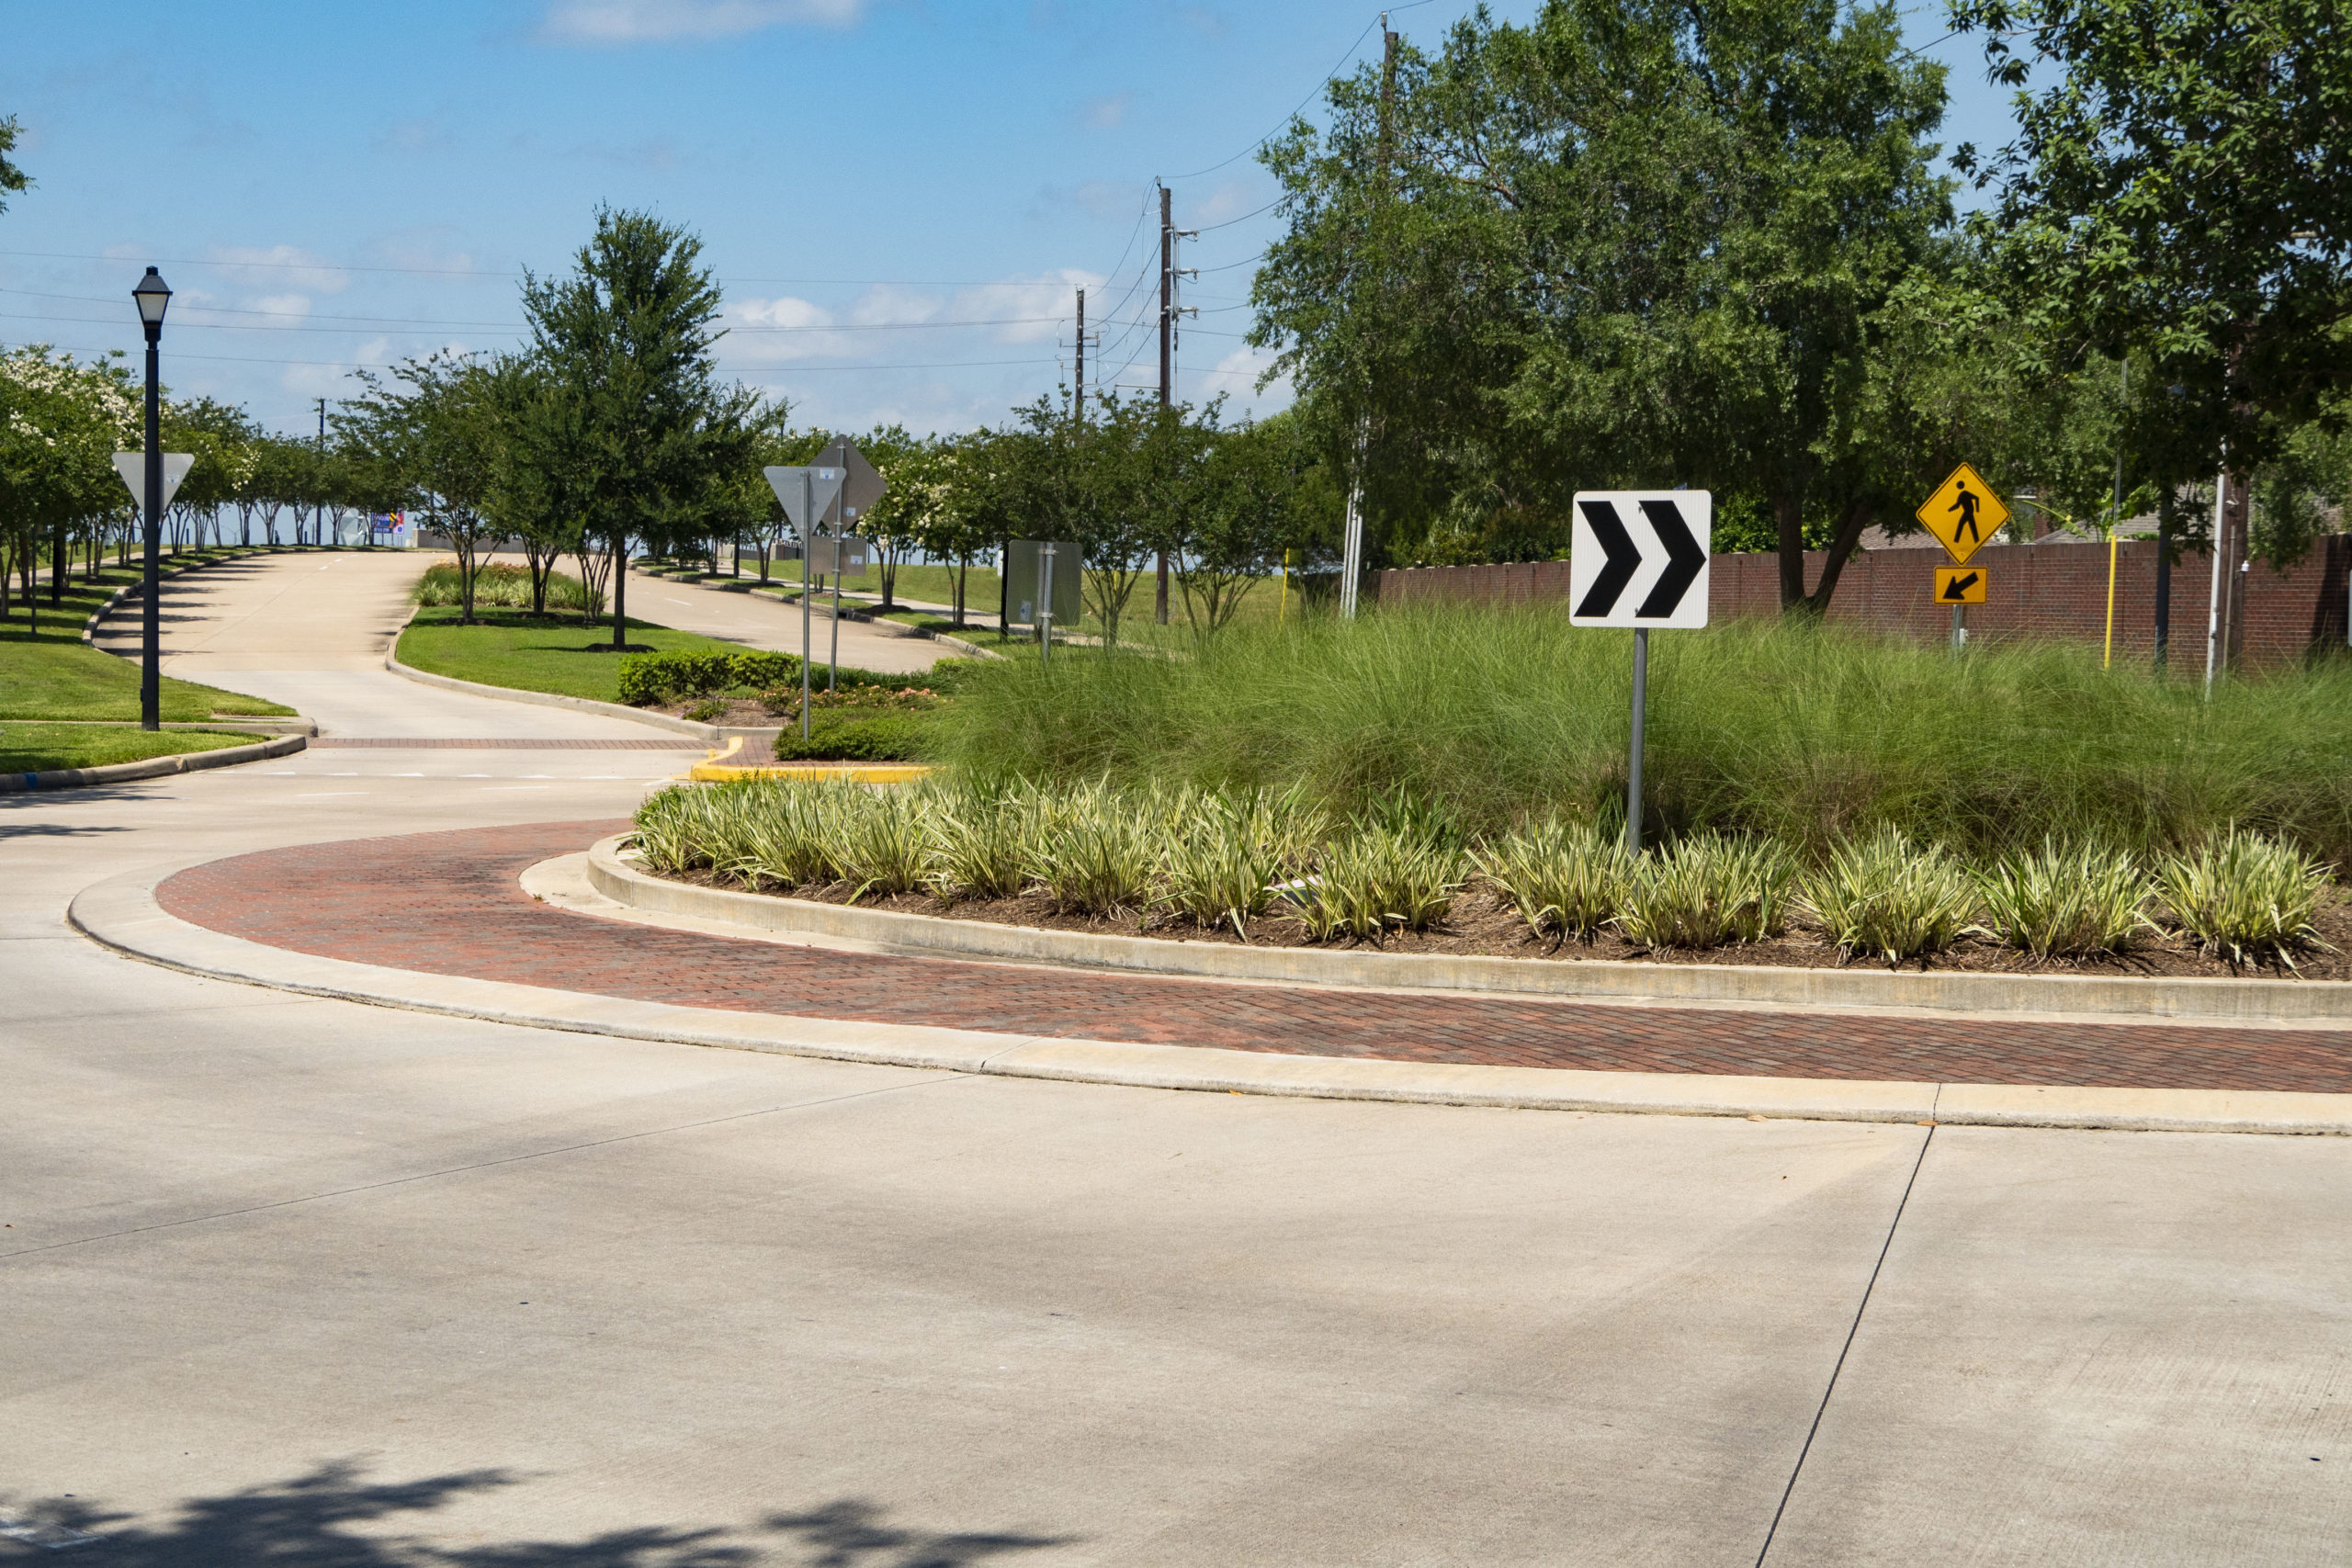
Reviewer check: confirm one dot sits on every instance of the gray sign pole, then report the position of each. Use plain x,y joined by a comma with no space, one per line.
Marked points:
1046,601
808,556
833,675
1641,713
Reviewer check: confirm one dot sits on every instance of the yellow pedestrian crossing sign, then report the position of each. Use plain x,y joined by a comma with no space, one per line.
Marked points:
1963,514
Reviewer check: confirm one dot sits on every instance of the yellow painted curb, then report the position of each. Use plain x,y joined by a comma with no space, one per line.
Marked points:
856,772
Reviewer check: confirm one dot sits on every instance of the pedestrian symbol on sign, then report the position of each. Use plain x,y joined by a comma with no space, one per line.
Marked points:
1962,514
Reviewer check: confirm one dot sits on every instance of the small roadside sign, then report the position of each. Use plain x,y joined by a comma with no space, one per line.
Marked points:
133,466
861,486
1638,557
837,556
1962,514
1959,584
806,492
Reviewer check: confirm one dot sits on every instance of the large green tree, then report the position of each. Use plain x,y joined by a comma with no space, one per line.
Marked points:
626,340
1642,241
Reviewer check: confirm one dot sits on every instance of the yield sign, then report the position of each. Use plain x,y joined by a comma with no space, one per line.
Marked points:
1638,557
806,492
1962,514
133,466
863,485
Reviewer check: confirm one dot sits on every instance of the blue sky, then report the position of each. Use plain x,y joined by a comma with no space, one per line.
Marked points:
327,186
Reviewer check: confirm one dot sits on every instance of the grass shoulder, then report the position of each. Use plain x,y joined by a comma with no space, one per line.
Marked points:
40,747
560,654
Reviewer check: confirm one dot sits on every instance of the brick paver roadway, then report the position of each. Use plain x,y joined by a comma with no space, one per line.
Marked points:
450,904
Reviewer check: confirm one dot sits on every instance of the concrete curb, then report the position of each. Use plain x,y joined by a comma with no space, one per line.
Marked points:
154,767
121,913
2303,1004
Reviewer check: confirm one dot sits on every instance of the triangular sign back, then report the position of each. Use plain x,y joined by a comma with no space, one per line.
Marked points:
133,466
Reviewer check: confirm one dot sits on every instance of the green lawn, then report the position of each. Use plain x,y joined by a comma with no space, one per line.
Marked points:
37,748
53,674
537,653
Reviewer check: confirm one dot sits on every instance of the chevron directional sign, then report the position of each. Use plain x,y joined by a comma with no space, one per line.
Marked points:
1638,557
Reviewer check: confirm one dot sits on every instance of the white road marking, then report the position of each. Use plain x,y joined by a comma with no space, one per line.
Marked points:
488,787
323,794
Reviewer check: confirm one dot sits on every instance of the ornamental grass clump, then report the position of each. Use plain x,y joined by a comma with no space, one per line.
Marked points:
1709,890
797,832
1564,878
2245,898
2066,901
1096,851
1886,895
886,842
673,831
1225,853
1375,881
981,839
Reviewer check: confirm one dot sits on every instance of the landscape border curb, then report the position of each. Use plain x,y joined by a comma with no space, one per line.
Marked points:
2309,1004
122,913
154,767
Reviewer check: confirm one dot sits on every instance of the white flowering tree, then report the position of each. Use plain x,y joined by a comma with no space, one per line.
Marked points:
62,420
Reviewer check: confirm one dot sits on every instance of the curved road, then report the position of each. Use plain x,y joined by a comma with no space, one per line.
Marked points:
290,1279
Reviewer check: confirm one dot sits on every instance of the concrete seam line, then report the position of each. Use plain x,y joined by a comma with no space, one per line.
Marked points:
2126,1001
1847,1348
121,913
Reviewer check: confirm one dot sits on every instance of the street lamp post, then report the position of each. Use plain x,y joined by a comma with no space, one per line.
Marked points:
153,295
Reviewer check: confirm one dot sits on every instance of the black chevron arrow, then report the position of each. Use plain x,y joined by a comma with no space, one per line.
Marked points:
1959,586
1684,559
1624,558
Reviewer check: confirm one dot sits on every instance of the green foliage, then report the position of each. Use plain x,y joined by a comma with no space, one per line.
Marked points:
884,737
1806,733
534,653
2245,897
1886,895
497,585
1709,890
1568,878
1095,851
887,844
2067,900
646,679
1224,852
983,837
1375,881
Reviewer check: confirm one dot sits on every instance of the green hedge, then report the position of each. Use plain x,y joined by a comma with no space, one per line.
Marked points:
649,677
885,738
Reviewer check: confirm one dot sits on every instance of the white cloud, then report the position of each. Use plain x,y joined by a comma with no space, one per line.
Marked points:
650,21
282,310
1228,201
1236,376
280,266
1105,112
908,325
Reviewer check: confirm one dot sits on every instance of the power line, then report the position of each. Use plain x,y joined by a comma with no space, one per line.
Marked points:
487,272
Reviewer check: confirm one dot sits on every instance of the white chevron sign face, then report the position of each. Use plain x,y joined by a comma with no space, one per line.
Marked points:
1639,558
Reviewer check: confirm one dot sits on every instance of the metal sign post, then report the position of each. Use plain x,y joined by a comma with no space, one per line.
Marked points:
1045,603
1961,516
805,492
1661,579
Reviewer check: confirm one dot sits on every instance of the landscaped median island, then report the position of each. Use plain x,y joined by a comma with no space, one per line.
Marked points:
1451,782
1273,869
46,748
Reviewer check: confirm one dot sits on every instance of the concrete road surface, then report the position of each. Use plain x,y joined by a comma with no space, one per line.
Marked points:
293,1280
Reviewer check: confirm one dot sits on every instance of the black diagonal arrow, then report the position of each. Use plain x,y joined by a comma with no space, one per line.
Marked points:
1959,586
1684,559
1624,558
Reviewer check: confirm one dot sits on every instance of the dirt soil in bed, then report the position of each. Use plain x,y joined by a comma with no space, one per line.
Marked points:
1485,925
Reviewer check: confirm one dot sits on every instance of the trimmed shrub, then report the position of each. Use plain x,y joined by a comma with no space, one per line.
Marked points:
1378,880
1569,879
2067,900
649,677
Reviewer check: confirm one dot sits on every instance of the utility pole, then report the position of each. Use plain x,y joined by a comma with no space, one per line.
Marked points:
1079,405
1169,311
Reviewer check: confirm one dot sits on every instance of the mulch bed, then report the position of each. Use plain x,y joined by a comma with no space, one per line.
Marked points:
1482,924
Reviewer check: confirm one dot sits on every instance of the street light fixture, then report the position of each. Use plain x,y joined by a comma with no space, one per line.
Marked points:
153,295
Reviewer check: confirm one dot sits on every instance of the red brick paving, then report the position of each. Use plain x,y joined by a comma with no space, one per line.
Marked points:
449,904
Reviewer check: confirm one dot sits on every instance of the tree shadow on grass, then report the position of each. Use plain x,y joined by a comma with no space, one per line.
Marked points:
334,1516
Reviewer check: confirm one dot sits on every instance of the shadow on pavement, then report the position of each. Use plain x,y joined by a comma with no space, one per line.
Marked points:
334,1516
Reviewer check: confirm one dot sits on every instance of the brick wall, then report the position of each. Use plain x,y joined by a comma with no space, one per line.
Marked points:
2054,590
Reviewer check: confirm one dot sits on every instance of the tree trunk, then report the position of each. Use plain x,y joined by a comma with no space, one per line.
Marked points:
56,568
1856,518
620,593
1788,516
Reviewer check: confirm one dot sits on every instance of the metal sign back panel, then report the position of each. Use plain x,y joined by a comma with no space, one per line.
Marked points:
810,488
864,486
828,555
133,466
1640,558
1024,571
